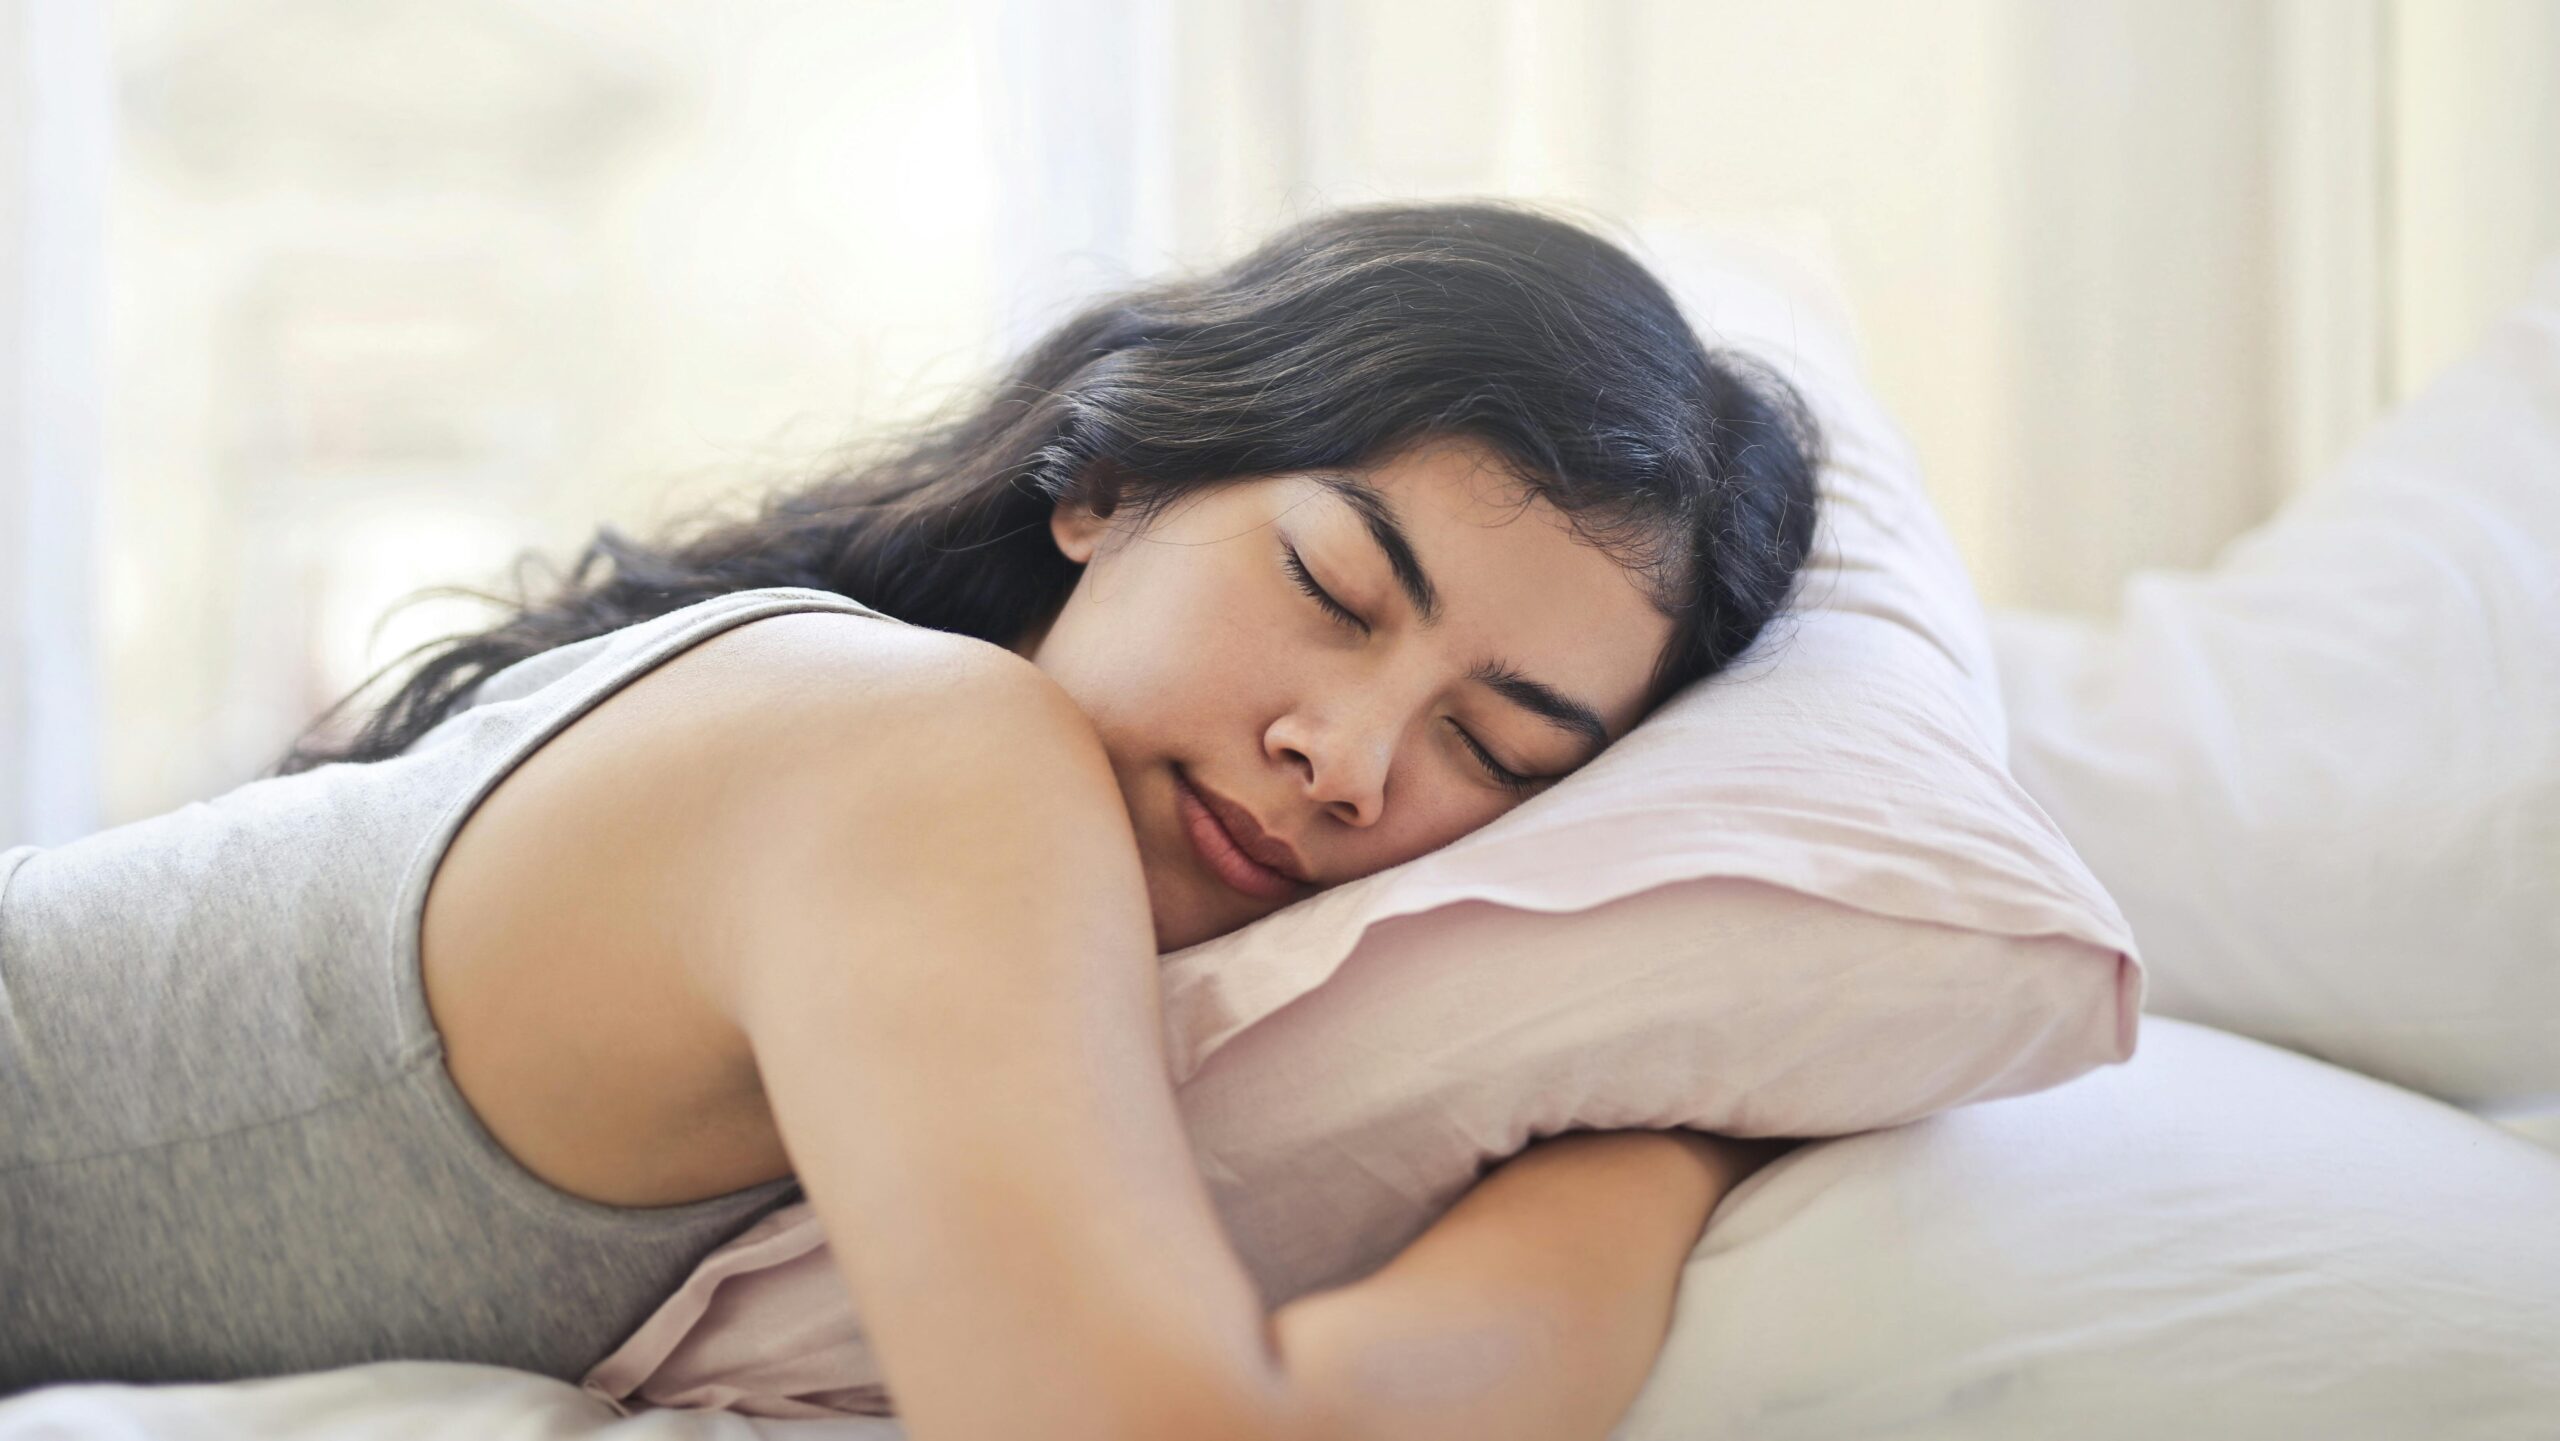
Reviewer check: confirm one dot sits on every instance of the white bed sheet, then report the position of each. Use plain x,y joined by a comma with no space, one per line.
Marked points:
386,1401
2220,1239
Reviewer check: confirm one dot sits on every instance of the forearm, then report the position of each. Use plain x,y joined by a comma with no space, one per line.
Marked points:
967,1071
999,1318
1534,1308
1031,1255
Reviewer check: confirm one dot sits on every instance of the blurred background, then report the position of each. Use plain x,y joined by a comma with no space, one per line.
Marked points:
309,303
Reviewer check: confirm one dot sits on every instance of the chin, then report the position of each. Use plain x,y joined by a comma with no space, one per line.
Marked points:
1174,931
1183,933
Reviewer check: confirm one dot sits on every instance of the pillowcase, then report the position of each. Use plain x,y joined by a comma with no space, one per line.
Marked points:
1853,757
1804,898
2221,1239
2324,777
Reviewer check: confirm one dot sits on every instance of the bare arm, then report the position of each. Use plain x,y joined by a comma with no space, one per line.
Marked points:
929,924
1534,1309
939,950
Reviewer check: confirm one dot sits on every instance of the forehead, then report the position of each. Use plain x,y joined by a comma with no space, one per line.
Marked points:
1502,576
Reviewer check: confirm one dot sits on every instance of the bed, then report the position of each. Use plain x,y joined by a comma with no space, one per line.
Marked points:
2221,1238
2323,778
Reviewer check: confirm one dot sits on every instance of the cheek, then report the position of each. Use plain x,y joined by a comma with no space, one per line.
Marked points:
1451,811
1188,639
1427,808
1152,670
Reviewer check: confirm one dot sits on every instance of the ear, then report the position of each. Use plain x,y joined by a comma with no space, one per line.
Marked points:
1078,522
1076,529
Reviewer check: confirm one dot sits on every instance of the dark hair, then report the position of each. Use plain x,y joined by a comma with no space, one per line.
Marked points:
1340,341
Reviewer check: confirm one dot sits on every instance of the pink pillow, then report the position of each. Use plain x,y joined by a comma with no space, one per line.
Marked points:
1805,898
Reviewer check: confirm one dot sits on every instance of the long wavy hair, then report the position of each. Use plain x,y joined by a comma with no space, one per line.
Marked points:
1338,342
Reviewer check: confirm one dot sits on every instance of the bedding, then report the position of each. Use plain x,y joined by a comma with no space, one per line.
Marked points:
2222,1239
2218,1239
1803,899
2323,778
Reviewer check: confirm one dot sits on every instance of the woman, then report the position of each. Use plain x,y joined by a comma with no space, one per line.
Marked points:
467,1036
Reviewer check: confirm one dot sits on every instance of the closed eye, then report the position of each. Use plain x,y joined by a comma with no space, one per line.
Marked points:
1501,774
1306,582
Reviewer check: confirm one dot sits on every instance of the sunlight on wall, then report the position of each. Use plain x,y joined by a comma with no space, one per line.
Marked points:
403,289
373,562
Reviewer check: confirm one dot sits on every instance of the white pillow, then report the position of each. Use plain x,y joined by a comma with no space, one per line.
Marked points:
2323,779
2220,1239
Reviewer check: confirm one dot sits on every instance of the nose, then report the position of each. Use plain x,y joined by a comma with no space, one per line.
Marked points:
1343,762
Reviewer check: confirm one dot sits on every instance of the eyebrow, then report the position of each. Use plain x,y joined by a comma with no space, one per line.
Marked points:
1378,517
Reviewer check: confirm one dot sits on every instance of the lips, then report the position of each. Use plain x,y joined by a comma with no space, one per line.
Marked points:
1234,848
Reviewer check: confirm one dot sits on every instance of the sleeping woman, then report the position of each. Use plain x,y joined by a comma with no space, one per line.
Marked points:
832,849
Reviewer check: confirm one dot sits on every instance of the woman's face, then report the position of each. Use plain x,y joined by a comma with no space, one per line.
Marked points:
1200,658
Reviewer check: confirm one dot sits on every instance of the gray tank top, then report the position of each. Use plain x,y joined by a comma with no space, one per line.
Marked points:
229,1146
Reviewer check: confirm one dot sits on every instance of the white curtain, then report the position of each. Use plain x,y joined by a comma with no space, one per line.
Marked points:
54,122
404,285
2133,270
2418,186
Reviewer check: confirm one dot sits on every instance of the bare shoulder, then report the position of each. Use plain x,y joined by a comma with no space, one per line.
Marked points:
813,724
939,763
762,681
574,932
